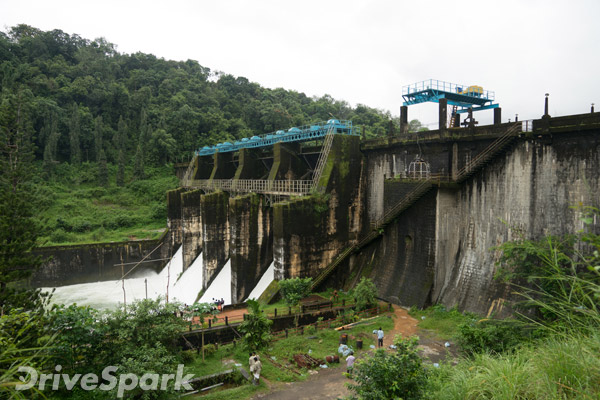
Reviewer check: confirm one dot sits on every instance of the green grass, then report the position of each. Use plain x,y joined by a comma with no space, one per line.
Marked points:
445,323
324,343
77,210
556,368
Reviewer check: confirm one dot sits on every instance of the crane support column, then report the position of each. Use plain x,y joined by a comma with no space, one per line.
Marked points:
403,119
497,116
443,114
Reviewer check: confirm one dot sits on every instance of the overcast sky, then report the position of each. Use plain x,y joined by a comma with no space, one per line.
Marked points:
359,51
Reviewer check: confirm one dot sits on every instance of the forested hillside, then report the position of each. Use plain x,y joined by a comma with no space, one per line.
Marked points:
106,126
87,97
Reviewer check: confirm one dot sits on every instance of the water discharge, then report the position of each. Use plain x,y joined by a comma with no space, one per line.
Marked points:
108,294
263,283
220,288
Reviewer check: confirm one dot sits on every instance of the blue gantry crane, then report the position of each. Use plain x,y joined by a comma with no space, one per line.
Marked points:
295,134
460,97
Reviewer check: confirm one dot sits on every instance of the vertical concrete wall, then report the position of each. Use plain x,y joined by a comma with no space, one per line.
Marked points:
530,190
214,210
251,243
191,226
309,232
401,262
174,221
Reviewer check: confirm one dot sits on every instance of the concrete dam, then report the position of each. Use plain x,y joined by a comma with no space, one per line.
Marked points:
418,213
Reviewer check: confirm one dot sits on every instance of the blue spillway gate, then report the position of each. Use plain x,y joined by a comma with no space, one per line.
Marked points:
461,96
295,134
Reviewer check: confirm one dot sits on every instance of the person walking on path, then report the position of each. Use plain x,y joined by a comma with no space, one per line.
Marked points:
380,337
350,363
255,368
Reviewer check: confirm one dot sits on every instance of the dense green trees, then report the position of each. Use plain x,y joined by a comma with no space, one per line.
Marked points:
172,107
19,226
96,117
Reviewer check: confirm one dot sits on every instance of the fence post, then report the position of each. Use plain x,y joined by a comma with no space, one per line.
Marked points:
302,309
209,323
290,310
344,303
286,333
275,313
302,330
390,306
226,320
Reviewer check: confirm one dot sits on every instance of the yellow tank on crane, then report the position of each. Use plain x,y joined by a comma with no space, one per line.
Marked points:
473,90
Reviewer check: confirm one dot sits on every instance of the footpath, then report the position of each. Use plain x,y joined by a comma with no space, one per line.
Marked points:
330,383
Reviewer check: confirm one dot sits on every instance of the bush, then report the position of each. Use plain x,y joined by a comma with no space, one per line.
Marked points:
295,289
256,328
391,375
494,336
365,294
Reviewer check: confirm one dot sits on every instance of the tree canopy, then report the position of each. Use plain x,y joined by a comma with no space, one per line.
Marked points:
173,106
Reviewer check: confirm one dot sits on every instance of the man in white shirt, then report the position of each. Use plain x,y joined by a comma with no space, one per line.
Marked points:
380,337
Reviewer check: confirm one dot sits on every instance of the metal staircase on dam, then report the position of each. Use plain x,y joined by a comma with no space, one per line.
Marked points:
470,168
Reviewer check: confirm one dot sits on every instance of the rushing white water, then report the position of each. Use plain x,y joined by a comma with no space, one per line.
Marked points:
263,283
108,294
220,288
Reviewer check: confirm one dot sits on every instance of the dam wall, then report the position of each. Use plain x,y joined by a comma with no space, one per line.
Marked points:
439,249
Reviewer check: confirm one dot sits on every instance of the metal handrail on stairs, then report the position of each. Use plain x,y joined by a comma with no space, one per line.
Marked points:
187,177
488,152
323,157
417,193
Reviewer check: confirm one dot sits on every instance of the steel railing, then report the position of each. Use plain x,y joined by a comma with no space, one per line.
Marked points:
423,187
282,187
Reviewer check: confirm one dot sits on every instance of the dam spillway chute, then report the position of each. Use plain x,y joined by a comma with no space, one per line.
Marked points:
263,283
220,288
189,284
108,294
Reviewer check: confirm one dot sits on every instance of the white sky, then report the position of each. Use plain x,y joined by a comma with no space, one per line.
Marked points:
359,51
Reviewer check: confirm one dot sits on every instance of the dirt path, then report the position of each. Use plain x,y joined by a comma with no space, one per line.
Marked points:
331,383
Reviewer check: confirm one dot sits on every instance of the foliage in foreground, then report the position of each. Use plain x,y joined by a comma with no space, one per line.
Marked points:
256,328
560,277
556,368
388,375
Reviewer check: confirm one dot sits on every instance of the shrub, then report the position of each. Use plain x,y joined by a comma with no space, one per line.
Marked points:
295,289
391,375
256,328
494,336
365,294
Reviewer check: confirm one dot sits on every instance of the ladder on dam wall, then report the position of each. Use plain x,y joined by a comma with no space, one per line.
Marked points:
322,159
470,168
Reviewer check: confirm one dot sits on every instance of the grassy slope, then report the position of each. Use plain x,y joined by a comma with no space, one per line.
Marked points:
555,367
78,210
324,342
